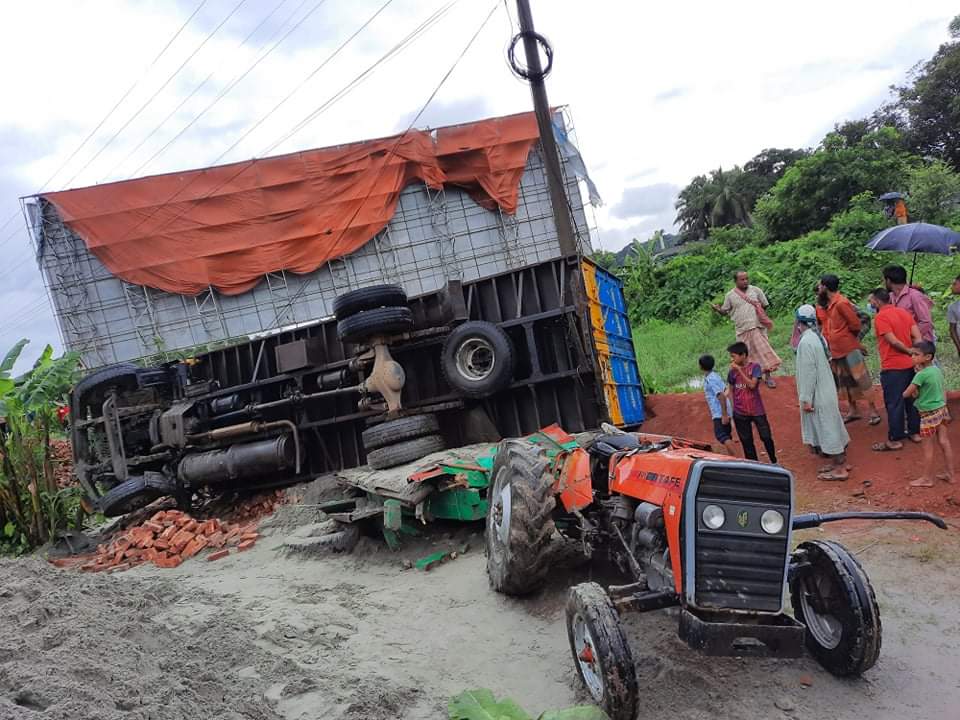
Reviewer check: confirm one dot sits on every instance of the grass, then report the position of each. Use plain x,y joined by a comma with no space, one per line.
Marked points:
667,353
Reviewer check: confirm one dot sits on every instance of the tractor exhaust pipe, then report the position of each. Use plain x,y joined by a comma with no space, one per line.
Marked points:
239,462
812,520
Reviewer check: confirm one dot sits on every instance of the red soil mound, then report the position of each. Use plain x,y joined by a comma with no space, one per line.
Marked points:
878,481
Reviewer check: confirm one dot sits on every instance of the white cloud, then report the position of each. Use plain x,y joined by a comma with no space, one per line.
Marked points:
658,91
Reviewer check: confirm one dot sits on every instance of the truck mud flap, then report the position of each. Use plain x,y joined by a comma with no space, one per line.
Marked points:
726,634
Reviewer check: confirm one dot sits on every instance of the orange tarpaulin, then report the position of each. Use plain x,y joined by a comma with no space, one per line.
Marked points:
227,226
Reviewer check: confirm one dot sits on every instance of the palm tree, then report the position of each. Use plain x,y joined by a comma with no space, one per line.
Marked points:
728,205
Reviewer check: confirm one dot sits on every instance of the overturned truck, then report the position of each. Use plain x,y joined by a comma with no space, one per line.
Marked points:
452,318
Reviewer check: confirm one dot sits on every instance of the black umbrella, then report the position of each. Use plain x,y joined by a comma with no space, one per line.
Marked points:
891,196
916,238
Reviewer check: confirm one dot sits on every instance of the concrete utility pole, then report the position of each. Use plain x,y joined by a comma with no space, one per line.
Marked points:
551,158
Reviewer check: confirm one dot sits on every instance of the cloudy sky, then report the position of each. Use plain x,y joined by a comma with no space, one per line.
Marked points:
658,92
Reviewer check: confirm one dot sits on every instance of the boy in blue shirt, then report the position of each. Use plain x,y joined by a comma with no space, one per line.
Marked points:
714,388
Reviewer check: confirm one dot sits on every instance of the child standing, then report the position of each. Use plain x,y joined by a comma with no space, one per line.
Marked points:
720,408
744,380
929,399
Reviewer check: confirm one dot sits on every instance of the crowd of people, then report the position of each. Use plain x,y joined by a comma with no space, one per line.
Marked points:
828,338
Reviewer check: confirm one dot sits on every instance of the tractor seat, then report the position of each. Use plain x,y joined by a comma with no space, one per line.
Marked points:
605,446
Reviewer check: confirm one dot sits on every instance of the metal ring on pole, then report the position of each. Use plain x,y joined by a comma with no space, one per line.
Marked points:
519,69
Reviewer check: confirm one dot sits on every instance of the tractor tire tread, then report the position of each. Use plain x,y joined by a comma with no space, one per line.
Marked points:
531,524
618,671
399,430
135,493
857,654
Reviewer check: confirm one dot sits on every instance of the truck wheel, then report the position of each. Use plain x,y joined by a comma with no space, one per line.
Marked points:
379,321
477,359
135,493
404,452
327,536
123,376
832,596
368,298
395,431
519,518
601,651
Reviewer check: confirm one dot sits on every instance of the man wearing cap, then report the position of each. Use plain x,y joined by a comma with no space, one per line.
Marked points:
821,424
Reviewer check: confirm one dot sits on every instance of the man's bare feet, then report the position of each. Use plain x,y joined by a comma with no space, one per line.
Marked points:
922,482
946,477
916,438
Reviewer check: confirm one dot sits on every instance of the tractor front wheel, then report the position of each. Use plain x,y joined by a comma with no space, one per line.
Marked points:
833,597
601,651
519,518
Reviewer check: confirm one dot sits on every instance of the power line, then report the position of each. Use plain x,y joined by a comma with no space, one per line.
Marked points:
250,163
157,92
109,113
393,150
230,86
195,90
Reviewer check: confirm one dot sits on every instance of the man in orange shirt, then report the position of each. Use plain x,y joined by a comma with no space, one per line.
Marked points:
896,332
841,327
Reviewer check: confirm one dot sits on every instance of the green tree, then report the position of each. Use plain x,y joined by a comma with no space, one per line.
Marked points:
693,208
605,259
931,103
724,198
934,193
817,187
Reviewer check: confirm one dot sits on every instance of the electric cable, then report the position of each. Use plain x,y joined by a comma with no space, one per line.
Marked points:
393,150
157,92
195,90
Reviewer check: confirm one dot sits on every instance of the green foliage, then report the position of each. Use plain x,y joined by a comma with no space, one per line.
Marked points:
725,198
32,507
934,191
930,106
605,259
482,705
817,187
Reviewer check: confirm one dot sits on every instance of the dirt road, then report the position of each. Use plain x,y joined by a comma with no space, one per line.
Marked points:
262,635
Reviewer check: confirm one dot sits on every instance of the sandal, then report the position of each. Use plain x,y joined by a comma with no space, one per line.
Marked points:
921,483
771,383
875,420
830,476
851,418
885,447
831,468
916,439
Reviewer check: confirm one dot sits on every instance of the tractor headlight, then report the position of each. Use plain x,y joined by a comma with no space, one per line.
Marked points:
771,522
714,517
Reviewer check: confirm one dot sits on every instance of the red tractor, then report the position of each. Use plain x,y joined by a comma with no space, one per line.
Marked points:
689,528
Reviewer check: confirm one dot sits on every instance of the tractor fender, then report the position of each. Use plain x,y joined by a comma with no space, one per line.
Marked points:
574,484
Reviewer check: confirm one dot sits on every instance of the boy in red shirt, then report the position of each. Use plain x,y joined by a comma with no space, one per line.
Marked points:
744,380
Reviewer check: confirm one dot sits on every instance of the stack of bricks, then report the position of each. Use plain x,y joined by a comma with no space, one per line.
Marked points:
171,536
167,539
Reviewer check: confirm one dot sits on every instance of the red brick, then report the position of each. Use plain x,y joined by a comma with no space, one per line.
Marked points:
119,568
159,517
246,545
168,563
122,544
216,540
150,554
132,553
161,544
153,527
118,556
174,514
169,532
194,546
92,567
217,555
191,526
250,536
179,540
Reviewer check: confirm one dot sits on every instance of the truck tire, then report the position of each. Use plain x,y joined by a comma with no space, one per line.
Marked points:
395,431
123,375
519,518
328,536
368,298
601,651
379,321
832,596
404,452
477,359
135,493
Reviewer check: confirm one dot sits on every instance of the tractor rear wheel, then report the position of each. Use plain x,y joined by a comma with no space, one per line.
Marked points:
519,518
601,651
833,597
